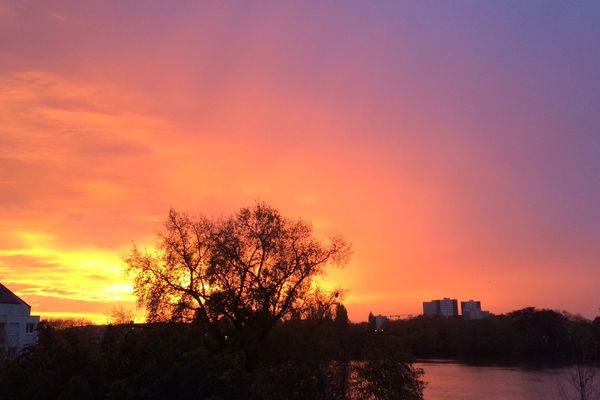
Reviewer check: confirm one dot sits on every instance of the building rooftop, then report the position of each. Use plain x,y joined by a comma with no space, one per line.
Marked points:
8,297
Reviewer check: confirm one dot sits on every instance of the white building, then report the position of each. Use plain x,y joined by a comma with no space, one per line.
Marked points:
448,307
430,308
380,321
445,307
17,325
472,310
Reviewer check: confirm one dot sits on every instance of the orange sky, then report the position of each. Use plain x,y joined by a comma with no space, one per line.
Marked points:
451,145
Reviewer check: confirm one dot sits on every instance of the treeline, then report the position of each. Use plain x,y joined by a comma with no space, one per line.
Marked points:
318,358
300,359
527,336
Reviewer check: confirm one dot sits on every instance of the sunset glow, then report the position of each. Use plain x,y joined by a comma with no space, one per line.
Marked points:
456,148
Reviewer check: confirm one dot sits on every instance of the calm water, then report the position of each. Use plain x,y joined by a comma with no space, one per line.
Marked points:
450,381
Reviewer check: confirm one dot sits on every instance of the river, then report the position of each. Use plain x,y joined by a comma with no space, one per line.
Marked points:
453,381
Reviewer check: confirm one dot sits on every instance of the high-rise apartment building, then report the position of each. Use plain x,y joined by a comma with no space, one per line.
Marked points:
445,307
472,310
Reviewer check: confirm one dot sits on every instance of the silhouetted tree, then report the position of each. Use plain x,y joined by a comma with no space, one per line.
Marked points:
541,333
580,383
341,314
247,271
120,315
320,305
67,323
385,373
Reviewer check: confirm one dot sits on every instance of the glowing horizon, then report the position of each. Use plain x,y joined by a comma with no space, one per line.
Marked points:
454,145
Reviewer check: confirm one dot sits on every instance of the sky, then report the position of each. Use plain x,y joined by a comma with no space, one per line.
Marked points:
456,145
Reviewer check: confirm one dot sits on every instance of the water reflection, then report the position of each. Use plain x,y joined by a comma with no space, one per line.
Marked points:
450,381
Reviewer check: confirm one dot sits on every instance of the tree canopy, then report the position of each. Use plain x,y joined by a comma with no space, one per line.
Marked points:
250,269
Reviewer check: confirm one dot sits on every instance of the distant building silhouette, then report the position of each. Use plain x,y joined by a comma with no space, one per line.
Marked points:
380,321
17,325
472,310
445,307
